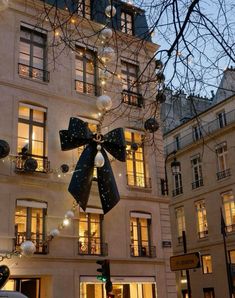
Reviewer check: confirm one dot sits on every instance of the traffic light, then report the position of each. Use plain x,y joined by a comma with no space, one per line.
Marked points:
104,270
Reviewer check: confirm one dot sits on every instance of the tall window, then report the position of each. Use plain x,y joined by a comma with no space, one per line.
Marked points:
86,72
32,58
196,171
90,234
127,22
229,210
177,184
135,161
84,8
180,220
201,219
30,223
197,134
130,86
222,161
140,234
31,135
221,116
177,142
206,264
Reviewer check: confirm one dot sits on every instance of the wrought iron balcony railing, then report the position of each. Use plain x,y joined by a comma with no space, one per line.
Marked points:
197,183
132,98
177,191
203,234
84,10
92,248
143,251
223,174
33,72
22,163
206,130
87,88
138,180
38,239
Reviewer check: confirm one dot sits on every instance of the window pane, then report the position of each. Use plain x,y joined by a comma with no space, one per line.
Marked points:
20,219
38,52
23,131
23,112
38,116
37,133
207,264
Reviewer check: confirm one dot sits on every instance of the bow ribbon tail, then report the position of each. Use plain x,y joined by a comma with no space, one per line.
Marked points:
80,184
108,190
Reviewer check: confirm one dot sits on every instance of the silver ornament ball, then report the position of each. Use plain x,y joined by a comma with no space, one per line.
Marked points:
106,33
110,11
104,103
69,214
27,248
99,160
54,233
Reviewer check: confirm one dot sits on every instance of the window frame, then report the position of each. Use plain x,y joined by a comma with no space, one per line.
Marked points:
131,156
89,248
203,267
196,165
221,117
143,248
125,22
197,132
85,60
229,219
32,44
201,213
30,205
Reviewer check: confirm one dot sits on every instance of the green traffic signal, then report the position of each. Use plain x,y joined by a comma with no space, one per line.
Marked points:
104,270
102,278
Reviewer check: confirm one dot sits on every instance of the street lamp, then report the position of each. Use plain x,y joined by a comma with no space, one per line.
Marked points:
175,167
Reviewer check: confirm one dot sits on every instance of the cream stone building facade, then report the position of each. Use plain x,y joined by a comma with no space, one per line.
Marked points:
39,94
202,187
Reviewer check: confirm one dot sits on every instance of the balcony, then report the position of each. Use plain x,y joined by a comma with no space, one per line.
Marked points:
132,98
24,162
92,247
38,239
33,72
84,87
203,234
197,183
206,130
138,180
143,251
177,191
223,174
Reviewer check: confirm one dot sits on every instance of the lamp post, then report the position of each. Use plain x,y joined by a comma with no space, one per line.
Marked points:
175,169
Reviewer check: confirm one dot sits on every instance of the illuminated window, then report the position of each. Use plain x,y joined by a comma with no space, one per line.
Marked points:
126,22
86,71
90,231
135,161
197,172
222,161
140,235
229,210
84,8
201,219
31,134
206,264
32,57
27,286
125,289
180,219
30,223
130,93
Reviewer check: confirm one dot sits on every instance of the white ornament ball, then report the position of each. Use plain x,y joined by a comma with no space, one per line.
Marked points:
104,103
110,11
99,160
27,248
107,54
3,4
106,33
69,214
54,232
104,74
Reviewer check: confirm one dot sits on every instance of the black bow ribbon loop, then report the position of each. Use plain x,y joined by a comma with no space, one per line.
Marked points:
79,134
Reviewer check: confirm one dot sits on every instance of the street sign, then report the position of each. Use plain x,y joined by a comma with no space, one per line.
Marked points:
186,261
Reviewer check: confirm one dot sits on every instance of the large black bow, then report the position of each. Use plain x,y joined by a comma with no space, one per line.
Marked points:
78,134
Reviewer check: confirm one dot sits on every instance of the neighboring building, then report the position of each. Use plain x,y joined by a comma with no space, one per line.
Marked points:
204,183
179,108
37,100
